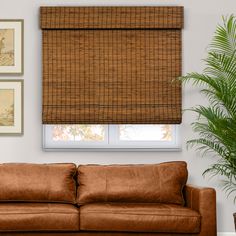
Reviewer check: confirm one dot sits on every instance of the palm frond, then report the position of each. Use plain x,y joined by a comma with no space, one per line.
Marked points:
216,123
224,41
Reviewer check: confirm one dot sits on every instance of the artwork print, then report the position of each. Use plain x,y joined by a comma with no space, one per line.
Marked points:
6,107
7,47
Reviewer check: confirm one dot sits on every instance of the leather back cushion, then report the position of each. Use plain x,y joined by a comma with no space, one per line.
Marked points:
38,182
158,183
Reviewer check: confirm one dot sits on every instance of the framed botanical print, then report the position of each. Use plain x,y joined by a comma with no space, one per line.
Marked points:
11,47
11,107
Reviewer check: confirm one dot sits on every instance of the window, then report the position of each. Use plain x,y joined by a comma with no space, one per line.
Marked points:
159,137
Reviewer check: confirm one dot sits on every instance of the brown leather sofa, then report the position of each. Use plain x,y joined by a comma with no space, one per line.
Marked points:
119,200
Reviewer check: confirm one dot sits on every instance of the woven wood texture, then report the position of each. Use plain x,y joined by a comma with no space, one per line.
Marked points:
118,76
111,17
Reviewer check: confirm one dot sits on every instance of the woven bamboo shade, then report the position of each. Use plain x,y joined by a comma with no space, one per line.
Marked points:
111,65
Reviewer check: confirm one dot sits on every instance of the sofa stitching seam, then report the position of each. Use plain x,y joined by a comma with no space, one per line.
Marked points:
91,212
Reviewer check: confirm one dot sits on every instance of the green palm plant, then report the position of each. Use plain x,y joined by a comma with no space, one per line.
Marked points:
216,122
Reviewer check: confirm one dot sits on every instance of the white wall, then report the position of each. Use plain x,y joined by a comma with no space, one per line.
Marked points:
201,17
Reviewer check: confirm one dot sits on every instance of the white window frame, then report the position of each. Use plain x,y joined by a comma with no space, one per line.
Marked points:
111,142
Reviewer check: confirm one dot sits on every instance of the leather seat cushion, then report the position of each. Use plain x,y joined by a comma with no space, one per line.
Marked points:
38,217
163,218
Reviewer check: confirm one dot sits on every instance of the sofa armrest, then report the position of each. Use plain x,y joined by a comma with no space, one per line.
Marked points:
203,200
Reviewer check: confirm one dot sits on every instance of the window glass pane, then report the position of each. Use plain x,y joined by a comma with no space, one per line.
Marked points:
78,132
145,132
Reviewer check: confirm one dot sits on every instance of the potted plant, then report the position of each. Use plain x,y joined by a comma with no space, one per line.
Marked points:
216,122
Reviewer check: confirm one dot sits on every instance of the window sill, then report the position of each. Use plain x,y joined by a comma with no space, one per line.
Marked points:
179,149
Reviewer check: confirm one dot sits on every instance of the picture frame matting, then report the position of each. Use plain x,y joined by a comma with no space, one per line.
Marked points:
11,46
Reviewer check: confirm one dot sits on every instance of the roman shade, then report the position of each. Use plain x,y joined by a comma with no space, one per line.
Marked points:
111,65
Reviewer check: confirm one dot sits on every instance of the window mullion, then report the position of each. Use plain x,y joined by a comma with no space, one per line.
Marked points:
113,134
106,134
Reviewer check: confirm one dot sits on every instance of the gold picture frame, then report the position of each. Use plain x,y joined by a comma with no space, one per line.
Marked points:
11,107
11,47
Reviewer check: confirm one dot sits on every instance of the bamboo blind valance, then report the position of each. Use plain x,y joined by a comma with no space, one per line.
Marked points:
111,65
